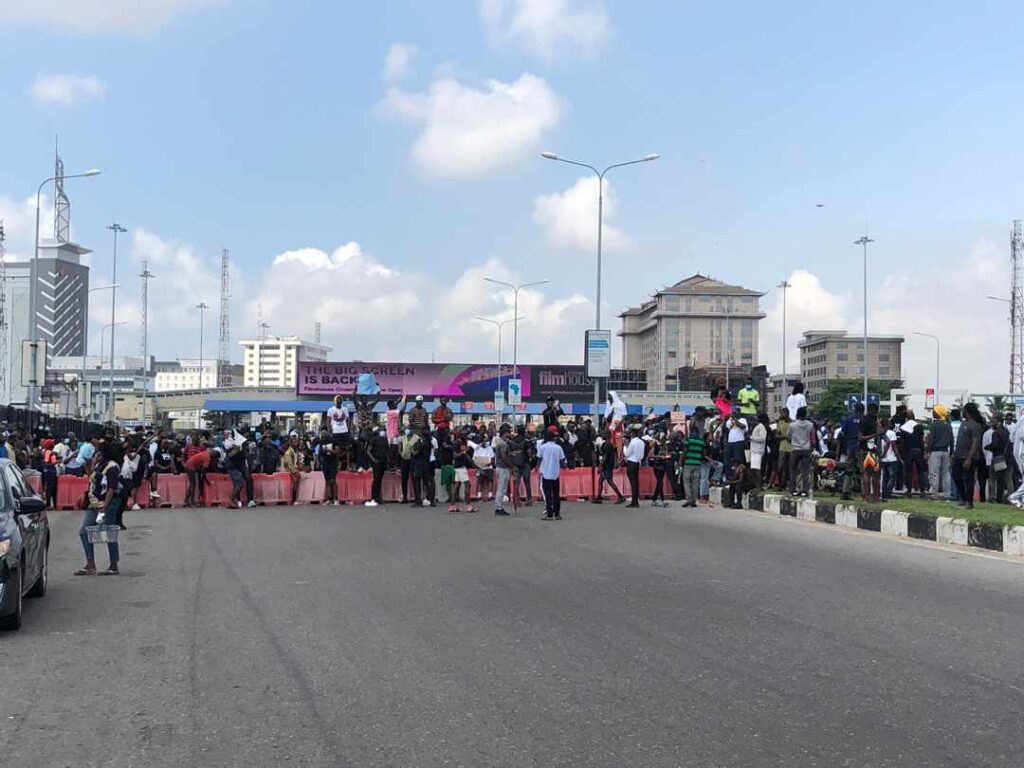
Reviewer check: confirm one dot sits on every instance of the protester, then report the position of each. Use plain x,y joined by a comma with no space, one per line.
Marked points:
850,445
801,435
329,466
657,459
1000,471
378,452
785,448
608,456
736,437
633,456
749,399
291,462
758,447
967,454
407,446
462,462
551,460
693,462
502,469
795,401
940,443
889,459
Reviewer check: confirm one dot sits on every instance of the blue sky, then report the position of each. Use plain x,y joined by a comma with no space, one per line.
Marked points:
271,127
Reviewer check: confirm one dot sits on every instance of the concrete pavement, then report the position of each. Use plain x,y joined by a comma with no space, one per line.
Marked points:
408,637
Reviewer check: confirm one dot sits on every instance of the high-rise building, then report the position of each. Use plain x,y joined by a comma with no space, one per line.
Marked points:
829,355
273,361
697,323
195,374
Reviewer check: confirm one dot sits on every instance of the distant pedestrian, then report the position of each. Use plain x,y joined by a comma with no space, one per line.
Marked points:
606,468
966,455
796,401
502,469
940,443
551,459
801,435
633,456
696,451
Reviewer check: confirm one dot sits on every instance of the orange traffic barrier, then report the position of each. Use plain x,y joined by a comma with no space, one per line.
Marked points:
647,482
172,490
312,487
69,490
577,484
217,491
354,487
391,489
35,482
269,489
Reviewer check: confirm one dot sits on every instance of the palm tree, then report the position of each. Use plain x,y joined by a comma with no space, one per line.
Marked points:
998,404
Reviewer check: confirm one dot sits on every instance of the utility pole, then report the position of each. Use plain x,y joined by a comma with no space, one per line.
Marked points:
202,306
863,241
145,275
224,339
784,286
116,229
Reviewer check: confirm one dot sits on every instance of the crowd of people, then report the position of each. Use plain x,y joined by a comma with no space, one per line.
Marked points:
958,454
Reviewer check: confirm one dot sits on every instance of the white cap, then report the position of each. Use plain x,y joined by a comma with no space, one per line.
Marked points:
419,398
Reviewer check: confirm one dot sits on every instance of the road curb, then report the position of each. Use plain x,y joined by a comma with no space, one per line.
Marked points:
944,530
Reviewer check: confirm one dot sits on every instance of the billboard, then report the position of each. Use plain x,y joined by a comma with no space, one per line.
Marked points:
476,382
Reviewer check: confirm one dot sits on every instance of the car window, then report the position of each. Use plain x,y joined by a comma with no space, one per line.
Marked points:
16,482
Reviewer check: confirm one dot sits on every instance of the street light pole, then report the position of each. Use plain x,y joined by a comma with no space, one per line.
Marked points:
103,330
515,316
499,324
784,286
863,241
600,227
85,335
937,353
202,306
116,229
33,276
145,275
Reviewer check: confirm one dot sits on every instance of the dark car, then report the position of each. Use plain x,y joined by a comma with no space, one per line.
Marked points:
24,543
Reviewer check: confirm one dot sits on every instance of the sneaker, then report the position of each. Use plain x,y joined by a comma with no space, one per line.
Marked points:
238,505
501,513
557,517
504,499
111,571
620,500
136,507
251,503
548,517
154,495
296,504
470,510
425,502
452,509
597,501
370,503
631,505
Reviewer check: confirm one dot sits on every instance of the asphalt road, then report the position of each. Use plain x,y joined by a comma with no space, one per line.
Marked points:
409,637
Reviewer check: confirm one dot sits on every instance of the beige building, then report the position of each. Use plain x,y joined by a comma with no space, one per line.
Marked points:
273,361
698,322
829,355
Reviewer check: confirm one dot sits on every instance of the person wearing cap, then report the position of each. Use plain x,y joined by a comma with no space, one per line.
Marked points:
502,469
940,443
551,459
418,418
442,415
633,455
552,411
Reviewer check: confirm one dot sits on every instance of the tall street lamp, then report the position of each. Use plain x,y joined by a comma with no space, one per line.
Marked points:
785,286
515,316
103,330
116,229
34,274
863,241
938,346
202,306
600,226
499,324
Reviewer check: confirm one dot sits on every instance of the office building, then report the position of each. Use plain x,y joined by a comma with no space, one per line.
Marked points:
81,386
829,355
273,361
185,374
698,323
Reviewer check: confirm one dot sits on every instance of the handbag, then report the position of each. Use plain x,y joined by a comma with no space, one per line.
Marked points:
999,464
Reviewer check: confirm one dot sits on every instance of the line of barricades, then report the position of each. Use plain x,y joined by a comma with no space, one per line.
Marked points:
353,488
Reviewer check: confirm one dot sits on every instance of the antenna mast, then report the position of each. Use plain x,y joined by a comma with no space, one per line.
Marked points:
61,204
1016,310
224,349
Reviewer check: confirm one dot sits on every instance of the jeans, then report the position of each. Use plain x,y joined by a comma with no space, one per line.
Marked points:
692,478
109,518
710,470
552,496
523,473
889,478
999,483
501,475
938,472
800,471
851,469
963,476
784,468
659,484
378,481
633,473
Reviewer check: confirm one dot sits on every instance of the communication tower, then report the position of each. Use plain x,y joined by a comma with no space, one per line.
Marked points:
224,348
61,204
1016,309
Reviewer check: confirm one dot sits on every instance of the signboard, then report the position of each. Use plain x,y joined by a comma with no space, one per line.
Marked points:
33,363
597,354
499,401
929,398
468,406
852,400
476,382
515,391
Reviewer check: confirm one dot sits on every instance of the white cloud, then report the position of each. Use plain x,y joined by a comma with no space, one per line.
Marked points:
469,131
547,27
67,89
97,16
398,61
569,218
19,219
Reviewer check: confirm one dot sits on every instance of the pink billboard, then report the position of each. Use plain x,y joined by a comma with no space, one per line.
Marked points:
476,382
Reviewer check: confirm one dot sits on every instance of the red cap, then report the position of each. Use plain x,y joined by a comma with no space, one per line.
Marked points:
552,430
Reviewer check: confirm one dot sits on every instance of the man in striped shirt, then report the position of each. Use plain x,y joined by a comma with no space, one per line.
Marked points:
693,458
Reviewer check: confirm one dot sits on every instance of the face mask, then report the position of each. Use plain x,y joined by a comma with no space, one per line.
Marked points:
382,433
408,432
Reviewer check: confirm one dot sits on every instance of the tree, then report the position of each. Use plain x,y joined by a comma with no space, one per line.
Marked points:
831,406
998,404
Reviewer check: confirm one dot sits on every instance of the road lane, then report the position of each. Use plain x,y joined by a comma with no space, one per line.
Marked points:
402,637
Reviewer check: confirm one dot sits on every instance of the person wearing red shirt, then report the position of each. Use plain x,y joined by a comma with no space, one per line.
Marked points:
196,465
442,415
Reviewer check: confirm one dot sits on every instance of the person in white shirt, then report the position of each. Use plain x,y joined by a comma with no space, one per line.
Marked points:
889,458
634,454
735,446
758,446
796,401
551,459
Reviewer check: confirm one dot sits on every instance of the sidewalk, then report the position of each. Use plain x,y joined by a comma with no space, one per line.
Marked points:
1008,539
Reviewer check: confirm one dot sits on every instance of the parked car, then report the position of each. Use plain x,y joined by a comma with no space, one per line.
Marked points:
24,544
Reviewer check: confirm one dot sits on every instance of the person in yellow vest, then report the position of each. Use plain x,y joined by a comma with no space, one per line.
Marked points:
749,399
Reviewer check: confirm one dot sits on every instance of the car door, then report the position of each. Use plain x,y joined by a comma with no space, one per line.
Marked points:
31,524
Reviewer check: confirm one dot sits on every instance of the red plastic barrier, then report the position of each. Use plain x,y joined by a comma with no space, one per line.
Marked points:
217,492
69,490
647,482
354,487
172,490
35,482
312,488
391,490
272,489
576,484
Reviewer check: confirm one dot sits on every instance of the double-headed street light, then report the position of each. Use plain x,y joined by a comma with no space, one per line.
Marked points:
600,226
515,316
33,275
499,324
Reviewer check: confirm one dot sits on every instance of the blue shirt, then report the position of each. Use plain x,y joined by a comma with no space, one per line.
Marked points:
551,457
851,432
85,453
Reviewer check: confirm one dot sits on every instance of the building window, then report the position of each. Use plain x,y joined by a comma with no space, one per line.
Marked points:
883,358
842,356
841,370
884,371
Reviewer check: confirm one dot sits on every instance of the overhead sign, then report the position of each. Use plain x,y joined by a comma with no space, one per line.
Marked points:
597,354
33,363
929,397
499,401
515,391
